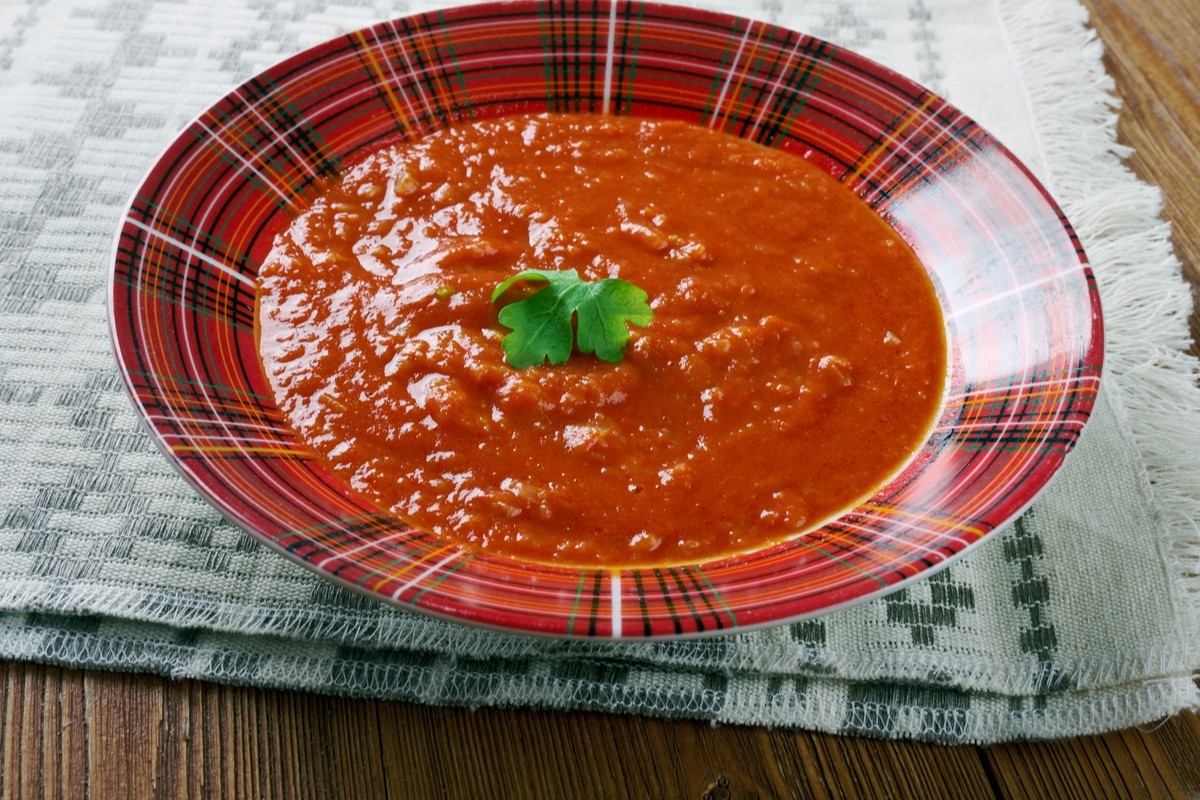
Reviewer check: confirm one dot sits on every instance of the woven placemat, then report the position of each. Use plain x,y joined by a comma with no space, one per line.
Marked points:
1082,616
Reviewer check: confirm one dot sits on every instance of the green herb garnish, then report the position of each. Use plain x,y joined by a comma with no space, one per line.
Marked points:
594,315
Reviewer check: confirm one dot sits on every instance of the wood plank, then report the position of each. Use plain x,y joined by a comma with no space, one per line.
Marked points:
1158,762
151,737
42,731
182,758
231,741
123,715
870,768
69,733
518,753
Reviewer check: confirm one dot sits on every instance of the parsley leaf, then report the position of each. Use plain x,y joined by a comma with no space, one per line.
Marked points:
592,315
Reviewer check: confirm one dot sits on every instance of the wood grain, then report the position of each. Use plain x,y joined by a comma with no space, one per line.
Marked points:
66,733
150,737
43,732
534,754
1161,761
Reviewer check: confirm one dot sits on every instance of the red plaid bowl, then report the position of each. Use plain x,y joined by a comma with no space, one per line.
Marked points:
1021,307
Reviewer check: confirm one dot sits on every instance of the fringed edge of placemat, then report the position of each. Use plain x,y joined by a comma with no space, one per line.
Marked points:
1142,289
880,709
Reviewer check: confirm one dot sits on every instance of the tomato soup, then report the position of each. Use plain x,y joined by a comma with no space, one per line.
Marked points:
795,361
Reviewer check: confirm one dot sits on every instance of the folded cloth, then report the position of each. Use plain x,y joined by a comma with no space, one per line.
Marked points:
1079,617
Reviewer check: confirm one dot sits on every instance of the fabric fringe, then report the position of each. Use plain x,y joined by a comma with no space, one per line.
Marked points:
1143,294
768,655
824,706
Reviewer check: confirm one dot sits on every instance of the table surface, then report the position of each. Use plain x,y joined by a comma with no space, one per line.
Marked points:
77,733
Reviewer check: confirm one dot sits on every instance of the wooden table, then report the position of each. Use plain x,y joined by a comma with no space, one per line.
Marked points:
74,734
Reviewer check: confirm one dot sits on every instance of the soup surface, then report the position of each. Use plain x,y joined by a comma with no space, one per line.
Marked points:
795,361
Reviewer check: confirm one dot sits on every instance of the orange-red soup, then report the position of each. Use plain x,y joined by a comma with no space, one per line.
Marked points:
795,362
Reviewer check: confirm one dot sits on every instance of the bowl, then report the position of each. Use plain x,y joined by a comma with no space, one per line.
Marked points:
1022,312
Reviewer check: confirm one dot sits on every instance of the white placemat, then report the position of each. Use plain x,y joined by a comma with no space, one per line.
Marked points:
1080,617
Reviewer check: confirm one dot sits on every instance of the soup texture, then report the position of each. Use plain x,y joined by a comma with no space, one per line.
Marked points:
795,361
